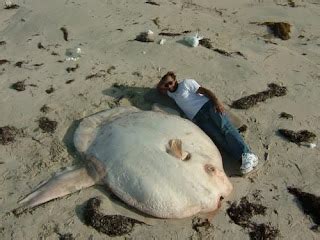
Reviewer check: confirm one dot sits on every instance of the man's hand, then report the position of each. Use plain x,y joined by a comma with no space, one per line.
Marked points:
161,89
219,108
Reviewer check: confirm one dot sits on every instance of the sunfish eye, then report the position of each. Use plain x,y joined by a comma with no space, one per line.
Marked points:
209,168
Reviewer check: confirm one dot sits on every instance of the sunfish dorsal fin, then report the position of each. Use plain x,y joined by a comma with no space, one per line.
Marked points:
174,148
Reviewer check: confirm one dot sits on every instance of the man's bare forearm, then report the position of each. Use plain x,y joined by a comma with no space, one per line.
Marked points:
209,94
212,97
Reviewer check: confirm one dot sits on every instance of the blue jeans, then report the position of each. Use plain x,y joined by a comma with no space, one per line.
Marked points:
219,128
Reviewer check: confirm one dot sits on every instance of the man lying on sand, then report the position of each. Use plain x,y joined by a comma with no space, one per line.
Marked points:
203,108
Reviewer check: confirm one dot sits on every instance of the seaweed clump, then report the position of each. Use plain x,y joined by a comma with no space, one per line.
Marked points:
309,203
206,42
241,213
303,136
4,61
112,225
286,115
66,236
198,223
19,86
144,37
279,29
263,232
249,101
7,134
47,125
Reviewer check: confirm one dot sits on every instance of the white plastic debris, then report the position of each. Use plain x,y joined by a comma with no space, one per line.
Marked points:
312,145
73,54
309,145
149,32
193,41
162,41
8,3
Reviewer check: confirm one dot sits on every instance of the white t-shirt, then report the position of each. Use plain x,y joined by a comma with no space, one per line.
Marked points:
187,98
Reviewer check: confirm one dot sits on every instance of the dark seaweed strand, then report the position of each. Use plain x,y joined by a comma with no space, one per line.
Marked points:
65,33
298,137
251,100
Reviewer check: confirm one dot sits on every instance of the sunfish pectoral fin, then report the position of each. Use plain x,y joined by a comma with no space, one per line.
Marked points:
60,185
174,148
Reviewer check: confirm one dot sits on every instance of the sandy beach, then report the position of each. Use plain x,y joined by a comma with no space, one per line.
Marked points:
116,70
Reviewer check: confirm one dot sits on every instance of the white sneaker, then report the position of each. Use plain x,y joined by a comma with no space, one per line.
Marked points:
249,162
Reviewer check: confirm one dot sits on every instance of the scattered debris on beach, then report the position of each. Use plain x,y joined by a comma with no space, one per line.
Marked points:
73,54
303,136
286,115
19,86
2,43
19,63
241,213
38,64
243,128
47,125
289,3
112,225
99,74
263,232
309,203
72,69
153,3
70,81
8,4
4,61
65,33
50,90
137,74
40,46
249,101
169,34
8,134
198,223
229,54
45,109
207,43
111,69
145,37
279,29
66,236
156,21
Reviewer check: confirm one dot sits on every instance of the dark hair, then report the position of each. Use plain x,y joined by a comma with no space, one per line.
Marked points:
168,74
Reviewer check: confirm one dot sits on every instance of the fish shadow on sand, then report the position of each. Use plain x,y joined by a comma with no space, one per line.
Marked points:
68,141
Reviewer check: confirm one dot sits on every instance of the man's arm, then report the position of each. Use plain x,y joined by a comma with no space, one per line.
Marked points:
212,97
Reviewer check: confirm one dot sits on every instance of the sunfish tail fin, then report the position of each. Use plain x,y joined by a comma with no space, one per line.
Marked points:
60,185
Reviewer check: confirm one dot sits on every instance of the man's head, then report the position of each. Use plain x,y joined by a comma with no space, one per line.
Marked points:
168,83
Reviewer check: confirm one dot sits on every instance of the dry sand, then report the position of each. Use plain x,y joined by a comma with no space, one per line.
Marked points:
104,30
